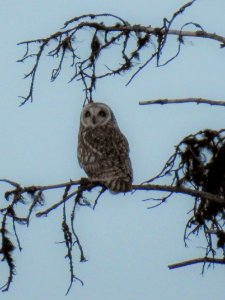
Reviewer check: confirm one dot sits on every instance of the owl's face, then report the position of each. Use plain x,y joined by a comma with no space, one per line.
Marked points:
95,114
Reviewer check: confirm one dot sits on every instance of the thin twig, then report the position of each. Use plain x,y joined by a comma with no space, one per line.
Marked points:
47,211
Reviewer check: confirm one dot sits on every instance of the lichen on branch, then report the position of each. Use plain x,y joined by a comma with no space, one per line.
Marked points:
134,45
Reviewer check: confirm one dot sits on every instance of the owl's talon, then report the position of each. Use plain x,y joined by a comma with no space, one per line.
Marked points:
84,181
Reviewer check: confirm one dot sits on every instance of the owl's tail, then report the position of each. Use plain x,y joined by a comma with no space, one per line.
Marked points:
119,185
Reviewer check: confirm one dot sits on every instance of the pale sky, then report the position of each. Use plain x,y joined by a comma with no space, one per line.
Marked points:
128,246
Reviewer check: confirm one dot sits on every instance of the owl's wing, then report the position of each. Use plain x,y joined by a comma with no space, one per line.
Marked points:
119,142
121,148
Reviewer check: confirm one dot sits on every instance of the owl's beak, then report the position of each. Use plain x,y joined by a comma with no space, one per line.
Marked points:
94,120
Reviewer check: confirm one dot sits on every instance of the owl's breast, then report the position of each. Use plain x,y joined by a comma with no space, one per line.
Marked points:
99,140
102,148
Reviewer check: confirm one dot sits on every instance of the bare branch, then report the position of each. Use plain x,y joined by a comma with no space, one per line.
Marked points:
131,40
47,187
186,100
56,205
17,196
150,30
179,190
204,260
32,73
141,187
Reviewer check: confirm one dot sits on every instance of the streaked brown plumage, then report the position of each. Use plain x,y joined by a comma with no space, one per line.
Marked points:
103,151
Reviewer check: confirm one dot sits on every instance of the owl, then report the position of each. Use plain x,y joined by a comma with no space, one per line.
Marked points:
103,151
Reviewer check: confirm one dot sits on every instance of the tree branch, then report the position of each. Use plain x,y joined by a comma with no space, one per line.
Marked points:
141,187
204,260
18,195
152,30
179,190
131,39
185,100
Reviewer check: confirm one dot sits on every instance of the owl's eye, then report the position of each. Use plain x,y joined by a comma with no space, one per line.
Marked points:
87,114
102,113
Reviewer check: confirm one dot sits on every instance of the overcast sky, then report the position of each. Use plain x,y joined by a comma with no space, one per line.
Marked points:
128,246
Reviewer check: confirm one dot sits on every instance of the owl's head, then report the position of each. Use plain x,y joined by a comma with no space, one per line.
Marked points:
96,114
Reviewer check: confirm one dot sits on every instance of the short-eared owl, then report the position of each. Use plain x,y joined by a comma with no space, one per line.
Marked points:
103,151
